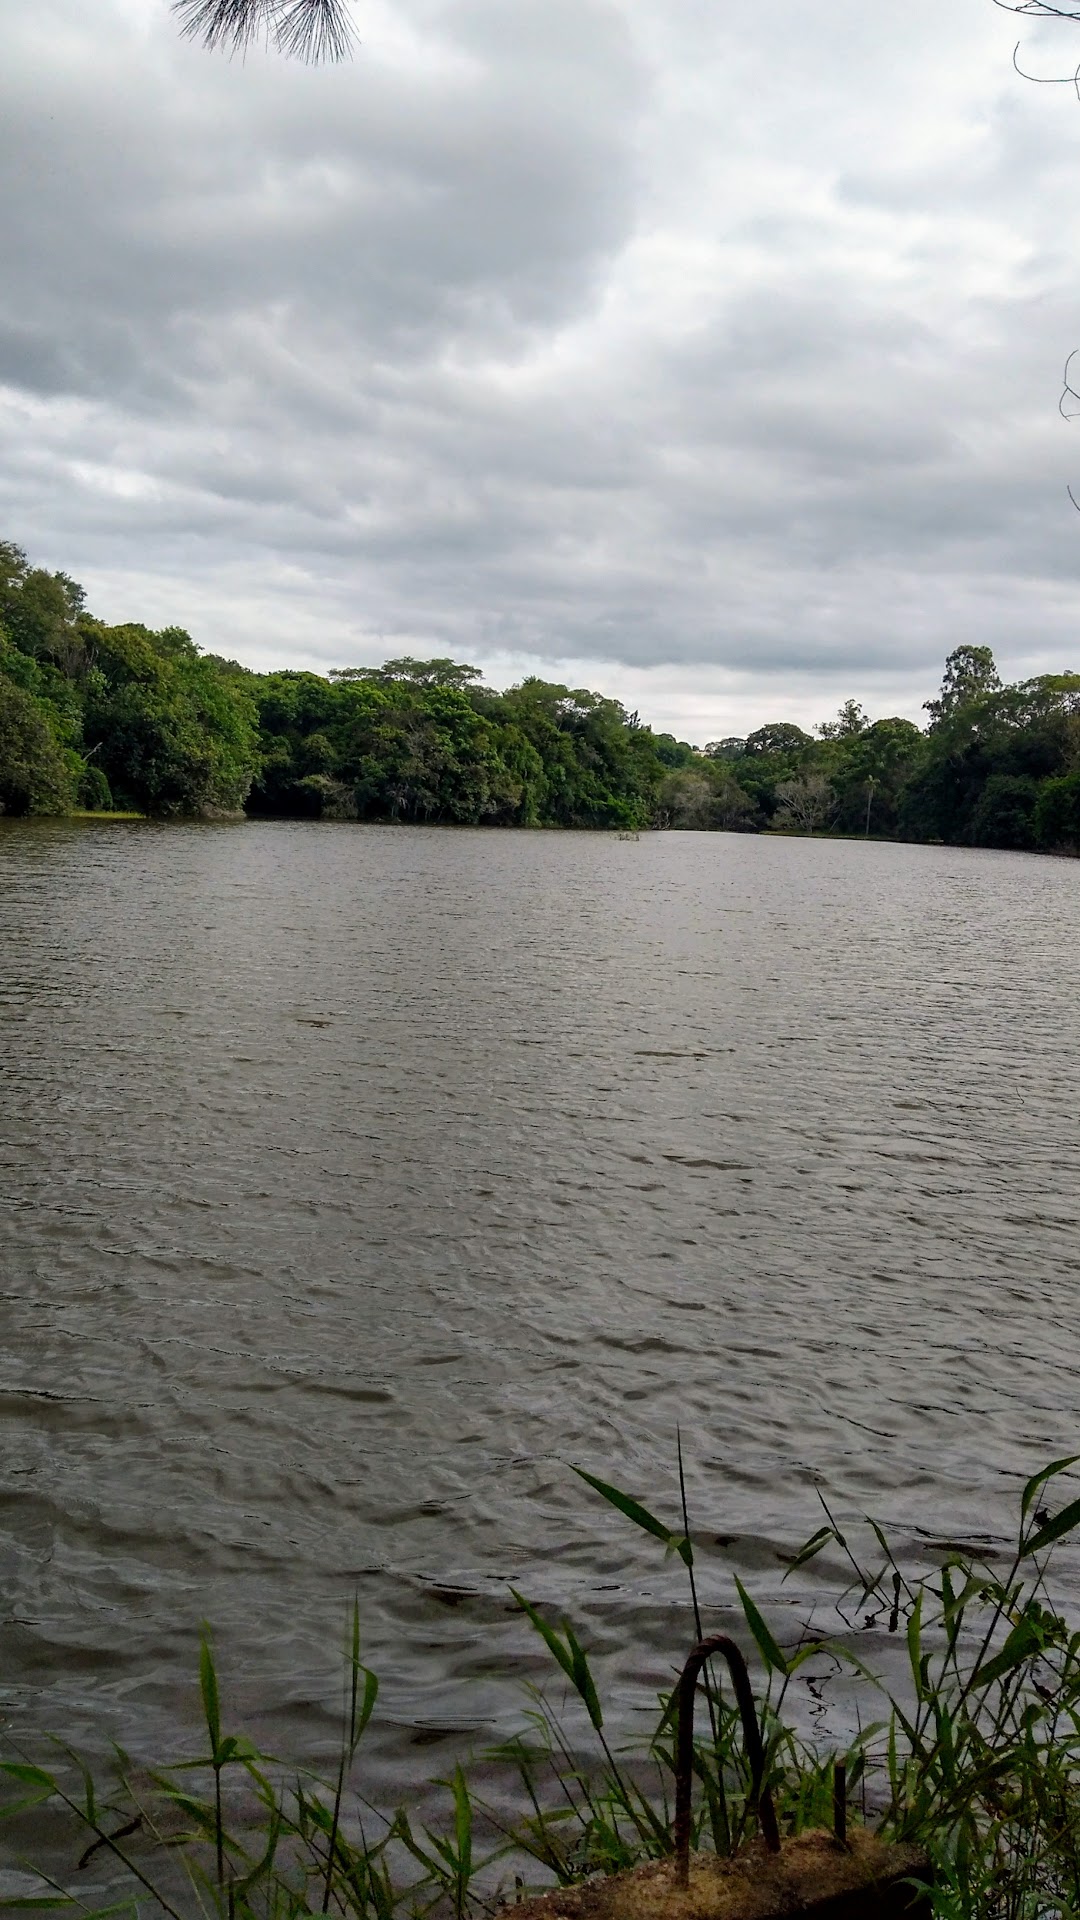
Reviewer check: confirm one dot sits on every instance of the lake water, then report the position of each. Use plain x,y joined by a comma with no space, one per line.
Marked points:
355,1181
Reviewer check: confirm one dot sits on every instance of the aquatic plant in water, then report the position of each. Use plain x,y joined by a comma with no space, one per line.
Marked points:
973,1752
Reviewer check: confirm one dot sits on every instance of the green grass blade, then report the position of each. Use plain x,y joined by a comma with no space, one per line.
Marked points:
583,1679
367,1705
37,1902
775,1661
810,1548
28,1776
208,1687
641,1517
548,1635
1062,1523
462,1836
1024,1640
1039,1480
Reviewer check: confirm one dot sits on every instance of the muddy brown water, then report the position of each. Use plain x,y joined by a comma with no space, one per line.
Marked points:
356,1181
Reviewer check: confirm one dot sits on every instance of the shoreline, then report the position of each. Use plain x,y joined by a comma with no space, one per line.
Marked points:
213,817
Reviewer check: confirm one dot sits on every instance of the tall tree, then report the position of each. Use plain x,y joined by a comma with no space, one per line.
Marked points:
852,719
970,673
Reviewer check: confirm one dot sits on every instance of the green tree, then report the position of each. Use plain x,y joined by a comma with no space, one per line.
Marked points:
417,750
851,720
1057,814
731,748
171,734
94,792
870,771
981,735
1004,814
669,751
780,739
599,770
774,754
414,673
685,799
42,612
34,777
970,674
733,809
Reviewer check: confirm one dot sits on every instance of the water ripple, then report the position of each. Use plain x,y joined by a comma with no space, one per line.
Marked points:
354,1182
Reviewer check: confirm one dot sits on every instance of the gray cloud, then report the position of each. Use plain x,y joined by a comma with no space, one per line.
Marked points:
713,357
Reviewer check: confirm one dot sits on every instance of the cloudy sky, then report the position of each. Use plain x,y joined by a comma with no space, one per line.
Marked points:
705,354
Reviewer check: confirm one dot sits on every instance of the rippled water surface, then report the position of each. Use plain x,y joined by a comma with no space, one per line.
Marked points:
354,1181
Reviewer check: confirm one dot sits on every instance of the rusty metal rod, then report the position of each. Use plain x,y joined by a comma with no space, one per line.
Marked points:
760,1797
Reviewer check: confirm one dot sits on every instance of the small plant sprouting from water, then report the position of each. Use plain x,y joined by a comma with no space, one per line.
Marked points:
974,1752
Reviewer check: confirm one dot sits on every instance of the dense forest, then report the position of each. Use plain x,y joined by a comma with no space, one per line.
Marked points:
99,718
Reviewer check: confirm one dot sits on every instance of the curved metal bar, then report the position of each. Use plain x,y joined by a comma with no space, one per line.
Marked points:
761,1798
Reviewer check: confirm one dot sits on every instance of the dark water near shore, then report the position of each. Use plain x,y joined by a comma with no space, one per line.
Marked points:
354,1181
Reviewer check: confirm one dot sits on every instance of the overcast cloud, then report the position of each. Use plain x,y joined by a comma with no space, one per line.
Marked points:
705,354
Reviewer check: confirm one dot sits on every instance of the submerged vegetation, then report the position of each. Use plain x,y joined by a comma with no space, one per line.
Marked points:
969,1745
99,718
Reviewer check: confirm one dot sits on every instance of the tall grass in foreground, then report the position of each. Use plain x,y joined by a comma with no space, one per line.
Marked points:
974,1752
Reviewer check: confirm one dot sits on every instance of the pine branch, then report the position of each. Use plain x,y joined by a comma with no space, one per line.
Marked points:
311,30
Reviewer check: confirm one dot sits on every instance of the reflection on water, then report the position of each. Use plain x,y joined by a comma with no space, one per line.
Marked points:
354,1181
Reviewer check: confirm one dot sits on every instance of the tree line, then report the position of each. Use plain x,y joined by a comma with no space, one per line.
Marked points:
96,717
